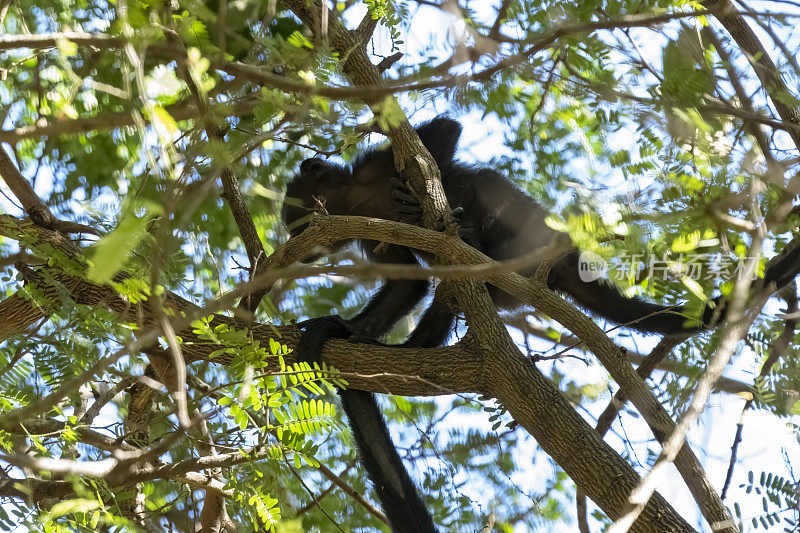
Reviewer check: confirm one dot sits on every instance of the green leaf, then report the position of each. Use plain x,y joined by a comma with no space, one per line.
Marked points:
299,40
78,505
111,251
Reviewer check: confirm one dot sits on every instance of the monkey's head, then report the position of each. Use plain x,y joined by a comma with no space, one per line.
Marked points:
364,188
319,184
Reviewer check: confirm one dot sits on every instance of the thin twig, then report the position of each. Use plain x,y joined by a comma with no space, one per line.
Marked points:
606,418
777,351
769,75
241,214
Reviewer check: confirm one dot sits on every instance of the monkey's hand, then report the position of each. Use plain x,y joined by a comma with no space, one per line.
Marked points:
334,325
330,327
405,202
409,211
466,230
714,314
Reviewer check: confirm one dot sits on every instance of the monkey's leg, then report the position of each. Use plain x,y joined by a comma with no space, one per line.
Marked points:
392,302
395,299
433,328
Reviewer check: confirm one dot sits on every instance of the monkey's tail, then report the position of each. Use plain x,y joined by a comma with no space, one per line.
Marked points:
605,300
399,498
402,504
784,267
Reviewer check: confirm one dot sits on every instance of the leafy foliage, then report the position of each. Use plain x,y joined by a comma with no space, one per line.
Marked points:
635,135
777,494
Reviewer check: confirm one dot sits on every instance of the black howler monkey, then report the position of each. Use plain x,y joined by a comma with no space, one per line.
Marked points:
501,221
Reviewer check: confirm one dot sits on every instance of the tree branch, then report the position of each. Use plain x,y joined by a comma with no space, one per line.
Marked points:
731,386
44,426
230,188
50,40
606,418
765,69
337,228
109,121
494,32
778,350
35,490
350,491
33,205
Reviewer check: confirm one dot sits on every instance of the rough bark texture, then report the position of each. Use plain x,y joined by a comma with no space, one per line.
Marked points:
537,294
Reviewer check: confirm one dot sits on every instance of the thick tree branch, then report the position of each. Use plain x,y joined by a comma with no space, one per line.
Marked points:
536,293
494,346
336,228
35,490
606,418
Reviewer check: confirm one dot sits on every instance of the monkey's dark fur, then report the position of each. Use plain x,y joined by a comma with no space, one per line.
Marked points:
501,221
